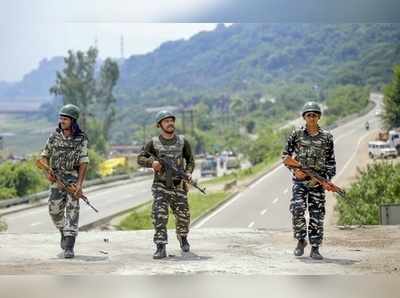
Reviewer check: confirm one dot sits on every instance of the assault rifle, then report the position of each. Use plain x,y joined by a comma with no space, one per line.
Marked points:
70,188
291,163
172,171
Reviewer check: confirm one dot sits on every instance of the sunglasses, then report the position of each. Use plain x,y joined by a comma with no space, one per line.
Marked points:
311,115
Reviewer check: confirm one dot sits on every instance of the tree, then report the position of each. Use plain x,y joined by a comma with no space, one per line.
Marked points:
78,84
391,100
109,75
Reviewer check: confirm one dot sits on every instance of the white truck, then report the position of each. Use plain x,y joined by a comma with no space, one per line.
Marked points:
380,149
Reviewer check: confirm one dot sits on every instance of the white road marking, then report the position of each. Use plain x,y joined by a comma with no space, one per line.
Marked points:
263,212
207,218
251,224
344,135
286,191
275,201
352,156
257,182
35,224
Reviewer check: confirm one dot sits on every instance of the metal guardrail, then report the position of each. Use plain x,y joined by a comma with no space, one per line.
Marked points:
43,194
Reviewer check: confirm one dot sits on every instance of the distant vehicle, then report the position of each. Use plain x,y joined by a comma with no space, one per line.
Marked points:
394,140
232,163
209,167
391,137
379,149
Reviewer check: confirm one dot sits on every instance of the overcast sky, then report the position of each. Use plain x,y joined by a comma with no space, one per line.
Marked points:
37,29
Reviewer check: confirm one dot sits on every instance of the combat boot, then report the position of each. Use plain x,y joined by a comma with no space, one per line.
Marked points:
69,247
62,240
161,251
185,246
299,250
315,253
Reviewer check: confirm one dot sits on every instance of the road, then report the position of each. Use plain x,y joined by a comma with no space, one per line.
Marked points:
108,202
265,204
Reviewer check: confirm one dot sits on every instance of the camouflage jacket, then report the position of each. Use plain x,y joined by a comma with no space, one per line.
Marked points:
66,153
316,152
177,146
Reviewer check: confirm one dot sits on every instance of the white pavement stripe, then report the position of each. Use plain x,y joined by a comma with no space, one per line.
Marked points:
286,191
251,224
263,212
257,182
275,201
35,224
352,156
207,218
344,135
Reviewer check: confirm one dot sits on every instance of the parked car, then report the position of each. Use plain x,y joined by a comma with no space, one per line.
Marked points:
232,163
379,149
209,167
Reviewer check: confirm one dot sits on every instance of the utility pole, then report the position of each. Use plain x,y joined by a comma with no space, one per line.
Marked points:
192,122
144,134
122,47
183,121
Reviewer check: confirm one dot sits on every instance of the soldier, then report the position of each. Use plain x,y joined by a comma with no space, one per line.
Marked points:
312,147
178,150
67,155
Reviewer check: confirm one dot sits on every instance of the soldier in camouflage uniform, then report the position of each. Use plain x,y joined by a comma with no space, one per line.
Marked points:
177,149
312,147
66,152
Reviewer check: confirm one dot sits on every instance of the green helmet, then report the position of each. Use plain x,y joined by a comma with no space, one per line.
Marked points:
70,110
163,115
311,106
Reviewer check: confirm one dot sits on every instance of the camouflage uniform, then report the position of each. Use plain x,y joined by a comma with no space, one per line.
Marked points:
178,149
316,152
64,155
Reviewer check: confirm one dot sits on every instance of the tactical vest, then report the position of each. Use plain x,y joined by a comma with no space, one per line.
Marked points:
173,152
311,151
65,153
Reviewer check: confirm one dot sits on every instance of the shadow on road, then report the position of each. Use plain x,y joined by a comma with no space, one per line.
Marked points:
344,262
188,256
84,258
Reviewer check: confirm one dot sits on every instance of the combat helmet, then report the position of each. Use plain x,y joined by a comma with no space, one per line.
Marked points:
70,110
163,115
311,106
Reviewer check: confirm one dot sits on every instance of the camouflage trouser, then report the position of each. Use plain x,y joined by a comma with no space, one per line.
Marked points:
177,200
313,198
64,211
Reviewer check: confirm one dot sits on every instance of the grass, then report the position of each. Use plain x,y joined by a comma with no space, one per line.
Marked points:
140,218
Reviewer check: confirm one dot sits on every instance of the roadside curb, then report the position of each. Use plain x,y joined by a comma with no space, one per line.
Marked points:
108,218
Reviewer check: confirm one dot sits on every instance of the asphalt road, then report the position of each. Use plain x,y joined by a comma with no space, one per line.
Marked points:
265,204
108,201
